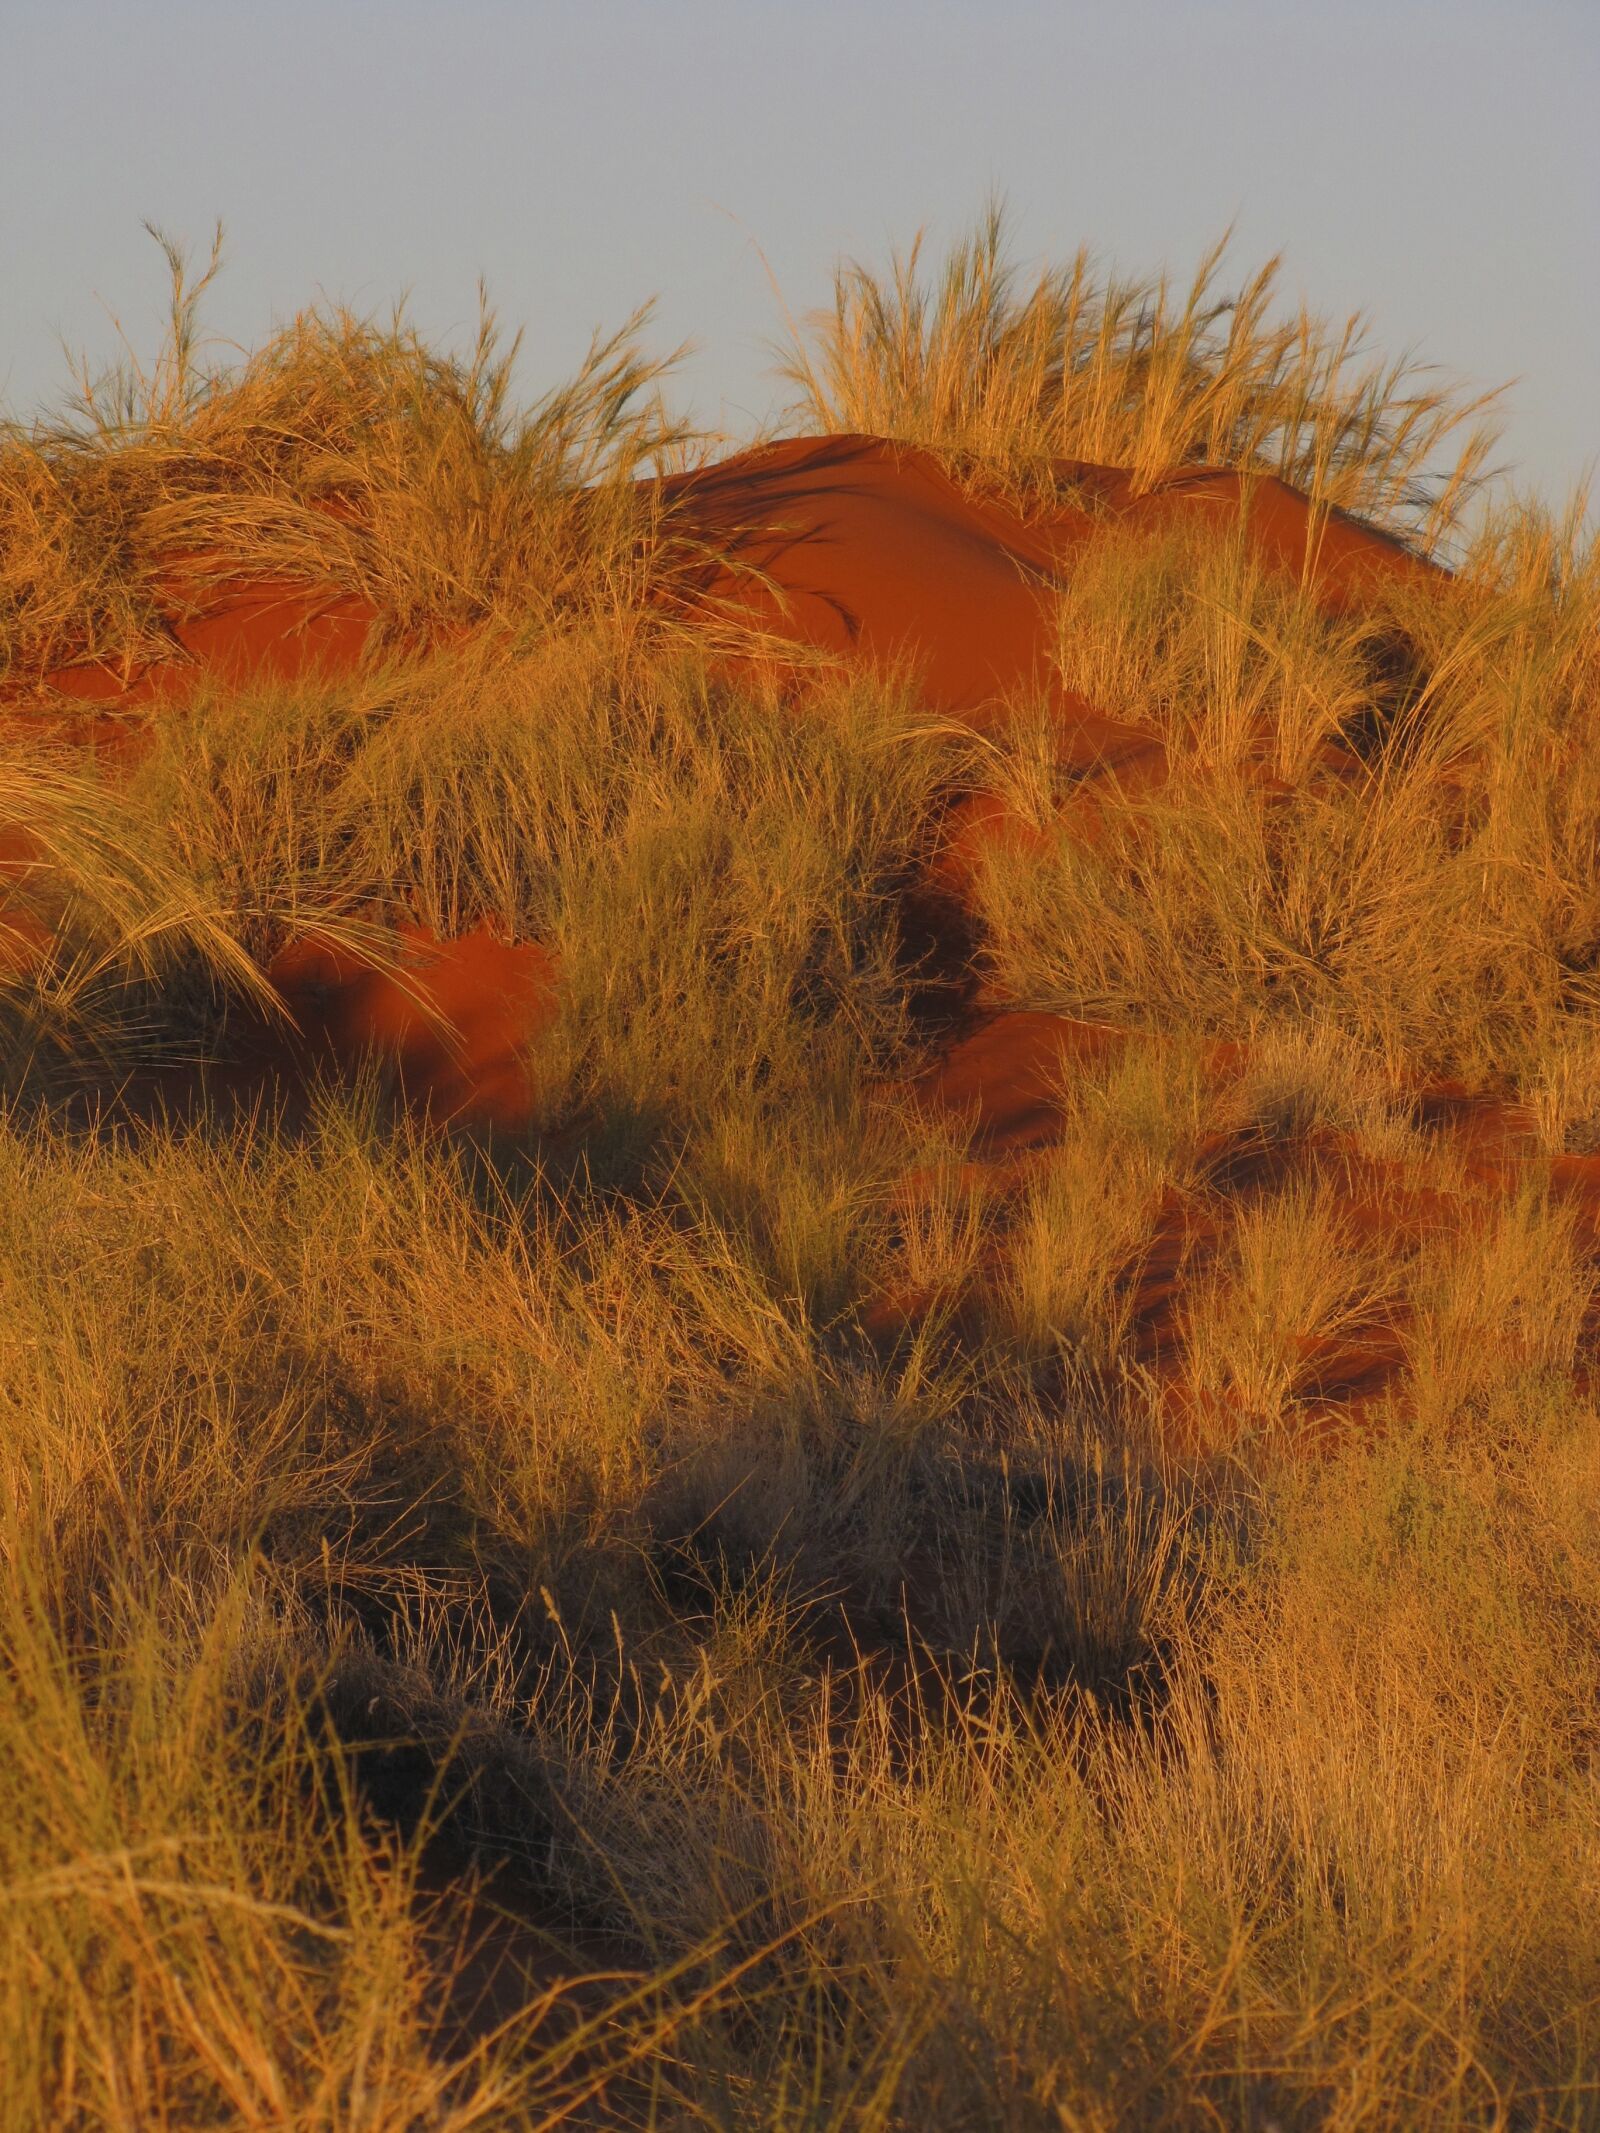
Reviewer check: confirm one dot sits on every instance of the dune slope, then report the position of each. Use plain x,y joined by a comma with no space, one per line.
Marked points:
853,548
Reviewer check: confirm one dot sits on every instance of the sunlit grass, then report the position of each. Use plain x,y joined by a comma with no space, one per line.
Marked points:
1383,822
904,1631
1010,380
348,455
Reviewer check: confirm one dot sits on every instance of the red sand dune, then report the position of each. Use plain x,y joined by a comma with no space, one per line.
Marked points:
1004,1079
855,547
860,550
453,1027
870,551
873,551
263,631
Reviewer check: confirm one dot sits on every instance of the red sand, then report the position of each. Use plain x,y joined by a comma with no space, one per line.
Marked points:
454,1028
264,631
873,551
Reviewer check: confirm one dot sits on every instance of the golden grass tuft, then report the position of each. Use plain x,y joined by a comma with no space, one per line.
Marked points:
1381,821
1012,382
347,455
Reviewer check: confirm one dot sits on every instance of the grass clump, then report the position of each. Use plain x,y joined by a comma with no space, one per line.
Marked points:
1086,1215
1294,1286
1379,822
98,926
1190,633
1010,382
346,455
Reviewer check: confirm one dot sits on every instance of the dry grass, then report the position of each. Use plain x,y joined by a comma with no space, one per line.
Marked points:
92,921
1343,1864
722,1512
1502,1312
1189,632
1294,1282
348,455
1383,823
1007,380
1085,1213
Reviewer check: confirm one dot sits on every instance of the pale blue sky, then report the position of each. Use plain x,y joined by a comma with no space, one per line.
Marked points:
1436,162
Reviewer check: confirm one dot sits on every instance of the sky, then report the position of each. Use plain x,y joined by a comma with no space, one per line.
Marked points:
1434,163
